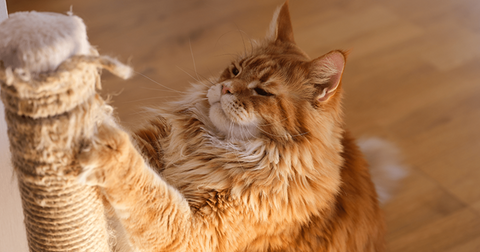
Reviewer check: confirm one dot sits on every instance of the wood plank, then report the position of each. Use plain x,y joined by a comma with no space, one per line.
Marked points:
472,245
476,206
419,202
442,235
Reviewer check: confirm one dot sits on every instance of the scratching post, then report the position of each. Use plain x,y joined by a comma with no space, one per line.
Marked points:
48,80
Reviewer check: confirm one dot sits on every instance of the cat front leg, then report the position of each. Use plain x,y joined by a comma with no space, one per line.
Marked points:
155,216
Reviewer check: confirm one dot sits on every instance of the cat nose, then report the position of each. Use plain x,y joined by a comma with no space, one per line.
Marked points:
226,90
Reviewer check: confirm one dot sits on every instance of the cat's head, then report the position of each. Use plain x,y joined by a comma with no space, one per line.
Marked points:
277,91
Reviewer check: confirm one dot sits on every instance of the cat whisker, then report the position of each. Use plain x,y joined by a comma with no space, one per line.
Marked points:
275,135
243,40
230,131
247,131
243,133
233,147
143,99
193,59
249,39
157,97
278,121
206,79
253,135
203,78
158,83
157,89
193,77
225,33
198,80
244,45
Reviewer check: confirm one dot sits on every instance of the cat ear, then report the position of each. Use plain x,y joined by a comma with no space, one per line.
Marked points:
326,74
281,26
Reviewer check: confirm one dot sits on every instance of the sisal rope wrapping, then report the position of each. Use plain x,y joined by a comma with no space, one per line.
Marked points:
50,119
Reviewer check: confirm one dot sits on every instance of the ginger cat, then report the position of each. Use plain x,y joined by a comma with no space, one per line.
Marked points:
257,159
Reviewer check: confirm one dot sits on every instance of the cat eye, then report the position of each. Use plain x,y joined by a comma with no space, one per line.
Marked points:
262,92
235,71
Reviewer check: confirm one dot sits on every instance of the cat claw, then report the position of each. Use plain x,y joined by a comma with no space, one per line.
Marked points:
107,146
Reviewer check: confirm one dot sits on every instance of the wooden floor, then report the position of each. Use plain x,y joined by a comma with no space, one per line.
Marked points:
413,77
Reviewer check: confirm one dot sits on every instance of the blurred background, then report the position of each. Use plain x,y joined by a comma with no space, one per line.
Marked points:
412,77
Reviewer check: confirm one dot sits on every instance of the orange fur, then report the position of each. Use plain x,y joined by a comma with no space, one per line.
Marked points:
264,165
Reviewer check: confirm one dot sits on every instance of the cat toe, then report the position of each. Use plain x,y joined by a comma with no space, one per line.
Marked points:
91,173
102,154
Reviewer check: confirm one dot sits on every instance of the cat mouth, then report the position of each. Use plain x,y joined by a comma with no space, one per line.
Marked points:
218,116
228,127
231,124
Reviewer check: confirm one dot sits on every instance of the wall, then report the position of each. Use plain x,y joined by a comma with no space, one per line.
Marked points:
12,230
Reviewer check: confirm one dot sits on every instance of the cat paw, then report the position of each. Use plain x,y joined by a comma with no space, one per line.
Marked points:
104,154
